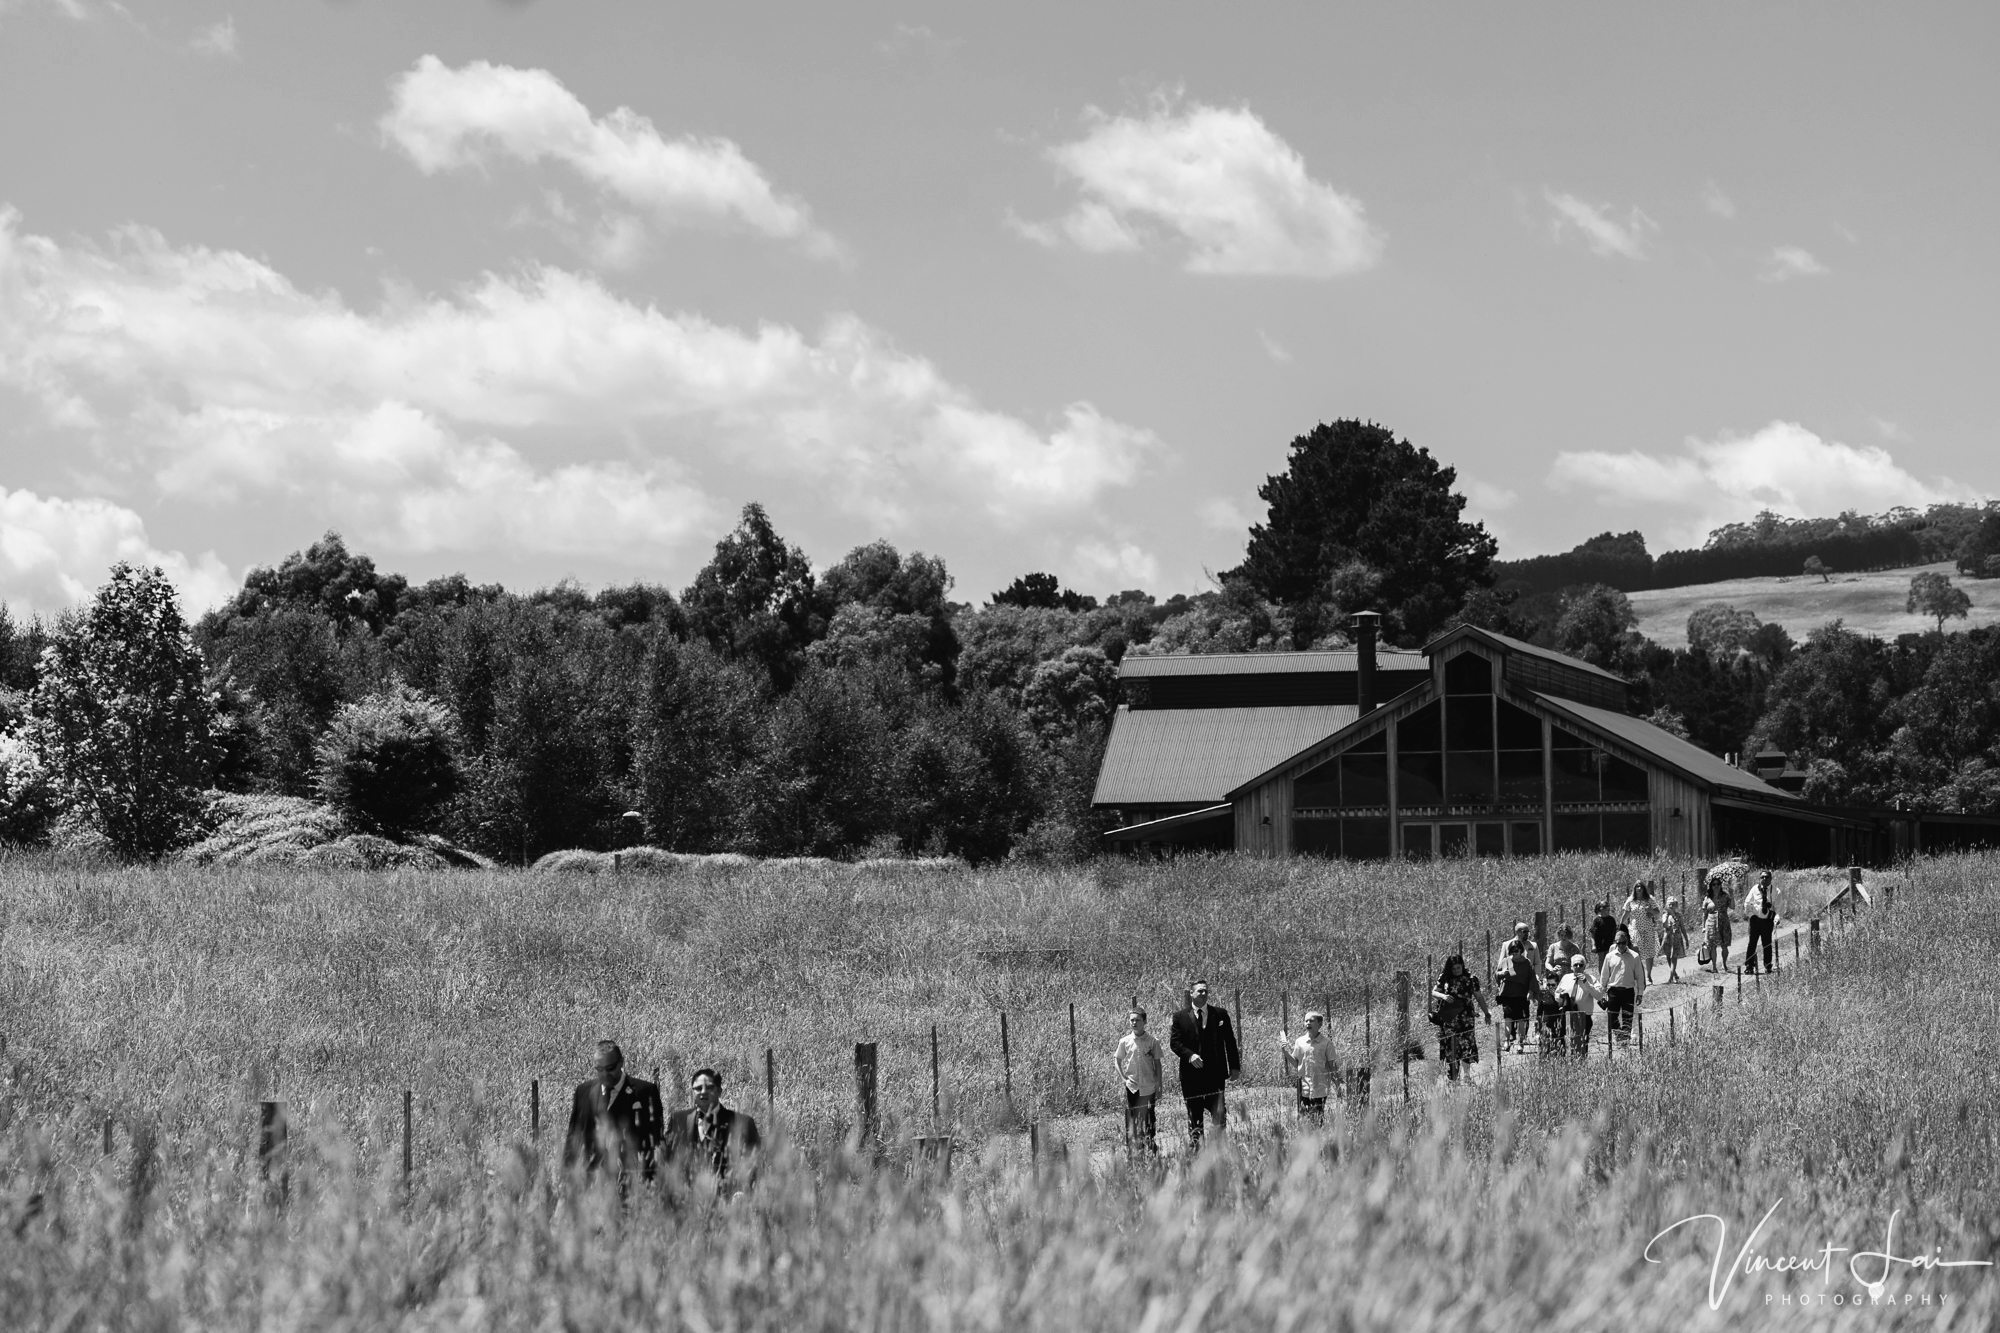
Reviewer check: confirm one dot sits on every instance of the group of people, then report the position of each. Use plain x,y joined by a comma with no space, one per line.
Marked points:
617,1126
1560,995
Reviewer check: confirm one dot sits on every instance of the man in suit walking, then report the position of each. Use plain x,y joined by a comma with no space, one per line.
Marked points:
1205,1040
614,1118
709,1136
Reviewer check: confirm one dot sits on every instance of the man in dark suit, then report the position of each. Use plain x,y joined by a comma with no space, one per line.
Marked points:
711,1137
614,1119
1205,1040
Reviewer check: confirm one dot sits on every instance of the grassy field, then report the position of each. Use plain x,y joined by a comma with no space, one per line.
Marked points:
166,999
1868,603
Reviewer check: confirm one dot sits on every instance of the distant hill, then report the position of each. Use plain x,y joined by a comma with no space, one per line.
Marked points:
1769,546
1871,603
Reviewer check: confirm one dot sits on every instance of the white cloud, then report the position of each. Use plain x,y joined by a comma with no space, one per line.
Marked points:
538,411
54,553
1274,349
1214,180
1783,467
1124,563
1225,515
1601,231
1788,262
1486,497
1716,202
445,119
218,40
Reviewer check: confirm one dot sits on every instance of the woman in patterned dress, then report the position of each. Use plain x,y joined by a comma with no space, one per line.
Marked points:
1456,992
1642,918
1673,938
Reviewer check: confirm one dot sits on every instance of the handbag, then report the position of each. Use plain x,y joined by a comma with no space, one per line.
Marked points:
1706,956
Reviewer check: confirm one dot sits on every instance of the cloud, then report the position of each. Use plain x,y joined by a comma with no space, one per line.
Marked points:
1124,564
916,39
1603,233
1212,180
1788,262
56,552
1783,467
538,411
1274,349
446,119
1485,496
1225,515
217,40
1716,202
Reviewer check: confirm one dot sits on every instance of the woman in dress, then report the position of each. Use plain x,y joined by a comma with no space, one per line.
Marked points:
1673,938
1715,928
1642,918
1453,998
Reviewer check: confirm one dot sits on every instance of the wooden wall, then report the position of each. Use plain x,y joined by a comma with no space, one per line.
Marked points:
1270,800
1693,834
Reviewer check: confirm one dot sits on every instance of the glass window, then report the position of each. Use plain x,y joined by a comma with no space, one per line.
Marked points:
1317,787
1519,729
1364,779
1316,837
1469,777
1521,776
1575,833
1575,776
1566,740
1365,839
1468,673
1527,838
1376,744
1452,840
1417,841
1419,731
1468,723
1489,839
1420,779
1623,781
1628,833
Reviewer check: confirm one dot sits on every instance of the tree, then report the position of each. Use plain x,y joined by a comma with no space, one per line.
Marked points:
1070,694
1721,632
816,788
389,763
1931,594
909,590
27,797
327,578
1043,592
756,600
1352,491
1979,558
1595,626
692,736
121,717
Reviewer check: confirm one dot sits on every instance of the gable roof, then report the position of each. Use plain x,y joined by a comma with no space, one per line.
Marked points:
1641,735
1174,756
1506,644
1353,729
1142,666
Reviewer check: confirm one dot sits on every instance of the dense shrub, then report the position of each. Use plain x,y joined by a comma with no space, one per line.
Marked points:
389,763
27,797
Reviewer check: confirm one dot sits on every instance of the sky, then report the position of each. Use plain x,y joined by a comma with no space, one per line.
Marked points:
545,291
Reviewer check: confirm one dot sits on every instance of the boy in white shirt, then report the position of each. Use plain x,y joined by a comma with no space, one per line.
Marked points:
1137,1060
1309,1065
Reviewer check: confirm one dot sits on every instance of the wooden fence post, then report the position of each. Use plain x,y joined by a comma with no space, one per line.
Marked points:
1368,1022
771,1083
1489,960
1406,1073
1006,1064
534,1108
864,1090
1718,995
1639,1021
1815,937
273,1131
934,1079
1403,1013
406,1136
110,1124
1075,1075
1542,939
1672,1036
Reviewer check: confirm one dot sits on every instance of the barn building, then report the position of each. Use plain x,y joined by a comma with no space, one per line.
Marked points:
1482,745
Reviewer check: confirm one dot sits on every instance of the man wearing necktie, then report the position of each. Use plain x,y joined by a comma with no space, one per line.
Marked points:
709,1136
1205,1040
613,1116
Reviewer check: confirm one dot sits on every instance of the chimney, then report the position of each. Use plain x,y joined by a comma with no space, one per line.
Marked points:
1364,624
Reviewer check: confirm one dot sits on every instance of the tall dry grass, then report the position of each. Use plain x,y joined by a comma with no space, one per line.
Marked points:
1858,1086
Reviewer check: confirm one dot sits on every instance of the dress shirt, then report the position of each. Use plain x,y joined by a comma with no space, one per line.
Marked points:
1623,967
1579,987
1313,1061
1139,1063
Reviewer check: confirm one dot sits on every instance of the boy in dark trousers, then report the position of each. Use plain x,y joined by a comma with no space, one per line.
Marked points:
1603,930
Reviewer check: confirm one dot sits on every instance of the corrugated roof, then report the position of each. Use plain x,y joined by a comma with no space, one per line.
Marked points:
1166,756
1136,666
1526,650
1685,755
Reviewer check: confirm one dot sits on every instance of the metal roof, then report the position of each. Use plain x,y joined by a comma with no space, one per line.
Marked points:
1173,756
1137,666
1685,755
1153,828
1525,649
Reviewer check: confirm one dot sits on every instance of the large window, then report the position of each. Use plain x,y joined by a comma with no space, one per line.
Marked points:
1468,731
1590,783
1420,759
1520,737
1355,779
1356,839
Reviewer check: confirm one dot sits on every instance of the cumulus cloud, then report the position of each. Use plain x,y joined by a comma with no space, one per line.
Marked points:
56,552
1213,181
217,40
1487,497
1223,514
1716,202
446,119
537,411
1122,563
1274,349
1783,467
1605,233
1790,261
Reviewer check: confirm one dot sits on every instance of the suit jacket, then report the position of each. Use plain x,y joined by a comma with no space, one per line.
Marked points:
734,1142
626,1129
1216,1045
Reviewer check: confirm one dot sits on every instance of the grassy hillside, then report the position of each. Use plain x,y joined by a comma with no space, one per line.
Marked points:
1869,603
1847,1091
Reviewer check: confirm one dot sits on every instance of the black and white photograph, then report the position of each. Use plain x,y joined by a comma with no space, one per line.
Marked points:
919,667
